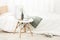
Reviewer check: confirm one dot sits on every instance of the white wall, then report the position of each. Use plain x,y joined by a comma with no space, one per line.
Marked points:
57,4
38,7
34,7
3,2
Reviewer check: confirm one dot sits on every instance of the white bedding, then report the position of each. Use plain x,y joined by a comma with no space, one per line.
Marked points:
7,22
49,24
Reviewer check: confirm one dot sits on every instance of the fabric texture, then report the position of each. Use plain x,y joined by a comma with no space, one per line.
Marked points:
36,21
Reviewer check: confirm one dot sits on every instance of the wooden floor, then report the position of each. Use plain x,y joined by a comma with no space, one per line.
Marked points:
25,36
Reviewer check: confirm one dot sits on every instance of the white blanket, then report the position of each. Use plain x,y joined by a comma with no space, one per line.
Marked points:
7,22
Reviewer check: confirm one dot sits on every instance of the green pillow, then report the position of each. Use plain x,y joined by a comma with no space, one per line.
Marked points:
36,21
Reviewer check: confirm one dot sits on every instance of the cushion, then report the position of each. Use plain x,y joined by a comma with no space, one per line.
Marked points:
36,21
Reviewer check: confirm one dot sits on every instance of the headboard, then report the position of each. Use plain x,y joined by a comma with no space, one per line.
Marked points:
3,9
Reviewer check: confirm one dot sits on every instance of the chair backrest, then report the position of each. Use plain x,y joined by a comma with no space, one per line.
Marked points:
3,9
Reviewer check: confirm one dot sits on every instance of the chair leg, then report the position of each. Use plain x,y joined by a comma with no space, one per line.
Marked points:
16,27
20,31
30,30
25,27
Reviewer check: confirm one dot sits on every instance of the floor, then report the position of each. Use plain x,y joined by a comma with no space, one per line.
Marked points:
25,36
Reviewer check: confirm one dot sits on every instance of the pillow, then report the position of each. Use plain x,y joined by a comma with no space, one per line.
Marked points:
36,21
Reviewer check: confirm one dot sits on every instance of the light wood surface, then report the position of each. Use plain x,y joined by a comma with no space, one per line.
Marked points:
3,9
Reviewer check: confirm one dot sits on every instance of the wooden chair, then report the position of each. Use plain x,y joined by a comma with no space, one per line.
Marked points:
24,27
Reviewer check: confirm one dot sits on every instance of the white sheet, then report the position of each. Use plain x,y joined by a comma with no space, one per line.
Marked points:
49,24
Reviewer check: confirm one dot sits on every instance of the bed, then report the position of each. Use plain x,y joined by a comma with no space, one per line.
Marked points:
7,20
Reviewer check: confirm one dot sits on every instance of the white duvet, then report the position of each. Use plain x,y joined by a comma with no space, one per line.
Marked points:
49,24
7,22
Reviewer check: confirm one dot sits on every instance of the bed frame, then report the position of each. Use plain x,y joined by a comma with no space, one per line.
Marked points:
3,9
